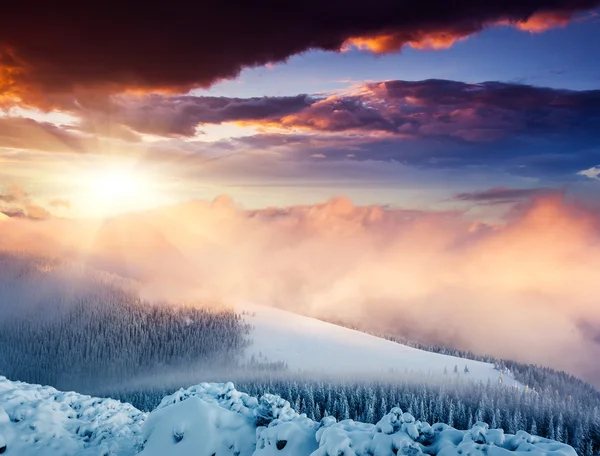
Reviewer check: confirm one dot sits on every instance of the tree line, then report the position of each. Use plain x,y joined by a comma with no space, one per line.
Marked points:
460,404
81,331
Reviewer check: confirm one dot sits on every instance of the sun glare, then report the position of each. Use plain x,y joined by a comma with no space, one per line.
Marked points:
115,189
116,184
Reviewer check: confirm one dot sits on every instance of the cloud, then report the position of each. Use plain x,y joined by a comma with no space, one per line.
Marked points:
592,173
15,202
542,21
340,114
472,112
445,36
24,133
484,112
393,42
516,129
149,48
179,115
503,195
60,202
518,289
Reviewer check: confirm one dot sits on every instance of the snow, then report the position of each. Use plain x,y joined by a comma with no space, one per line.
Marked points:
197,427
287,438
313,346
41,421
214,419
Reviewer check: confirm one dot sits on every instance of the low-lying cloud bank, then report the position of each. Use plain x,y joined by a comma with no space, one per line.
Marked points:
525,289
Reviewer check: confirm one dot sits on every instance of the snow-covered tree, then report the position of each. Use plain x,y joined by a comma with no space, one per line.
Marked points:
533,430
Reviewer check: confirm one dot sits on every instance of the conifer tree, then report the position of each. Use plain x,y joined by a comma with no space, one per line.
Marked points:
533,430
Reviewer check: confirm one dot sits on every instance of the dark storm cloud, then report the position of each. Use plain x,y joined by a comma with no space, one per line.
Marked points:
50,47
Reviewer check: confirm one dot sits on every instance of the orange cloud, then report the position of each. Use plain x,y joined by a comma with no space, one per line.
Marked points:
390,42
394,42
540,22
11,72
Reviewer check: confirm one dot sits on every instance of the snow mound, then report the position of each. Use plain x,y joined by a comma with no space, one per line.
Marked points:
197,427
260,411
41,421
214,419
399,433
287,438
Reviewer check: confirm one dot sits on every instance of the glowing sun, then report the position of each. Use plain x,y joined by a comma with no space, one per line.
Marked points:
115,189
117,184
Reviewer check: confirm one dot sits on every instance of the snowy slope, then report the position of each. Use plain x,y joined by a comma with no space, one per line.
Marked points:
215,419
314,346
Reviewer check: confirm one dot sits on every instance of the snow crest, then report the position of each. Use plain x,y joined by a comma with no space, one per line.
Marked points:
214,419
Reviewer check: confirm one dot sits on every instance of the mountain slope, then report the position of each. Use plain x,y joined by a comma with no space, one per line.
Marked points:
310,345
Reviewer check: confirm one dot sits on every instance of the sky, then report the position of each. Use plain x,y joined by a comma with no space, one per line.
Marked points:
396,106
367,162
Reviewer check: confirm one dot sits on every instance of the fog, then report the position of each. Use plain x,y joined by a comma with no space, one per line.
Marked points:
524,289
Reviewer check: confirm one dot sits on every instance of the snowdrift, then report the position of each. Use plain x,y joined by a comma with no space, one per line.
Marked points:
213,419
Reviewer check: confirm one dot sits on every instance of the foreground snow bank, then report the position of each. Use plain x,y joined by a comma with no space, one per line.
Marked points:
399,433
197,427
218,420
41,421
214,419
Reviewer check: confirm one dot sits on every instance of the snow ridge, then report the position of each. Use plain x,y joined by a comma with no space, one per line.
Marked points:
215,419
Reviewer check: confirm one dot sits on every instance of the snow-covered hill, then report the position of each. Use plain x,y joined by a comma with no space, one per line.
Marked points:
313,346
216,419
